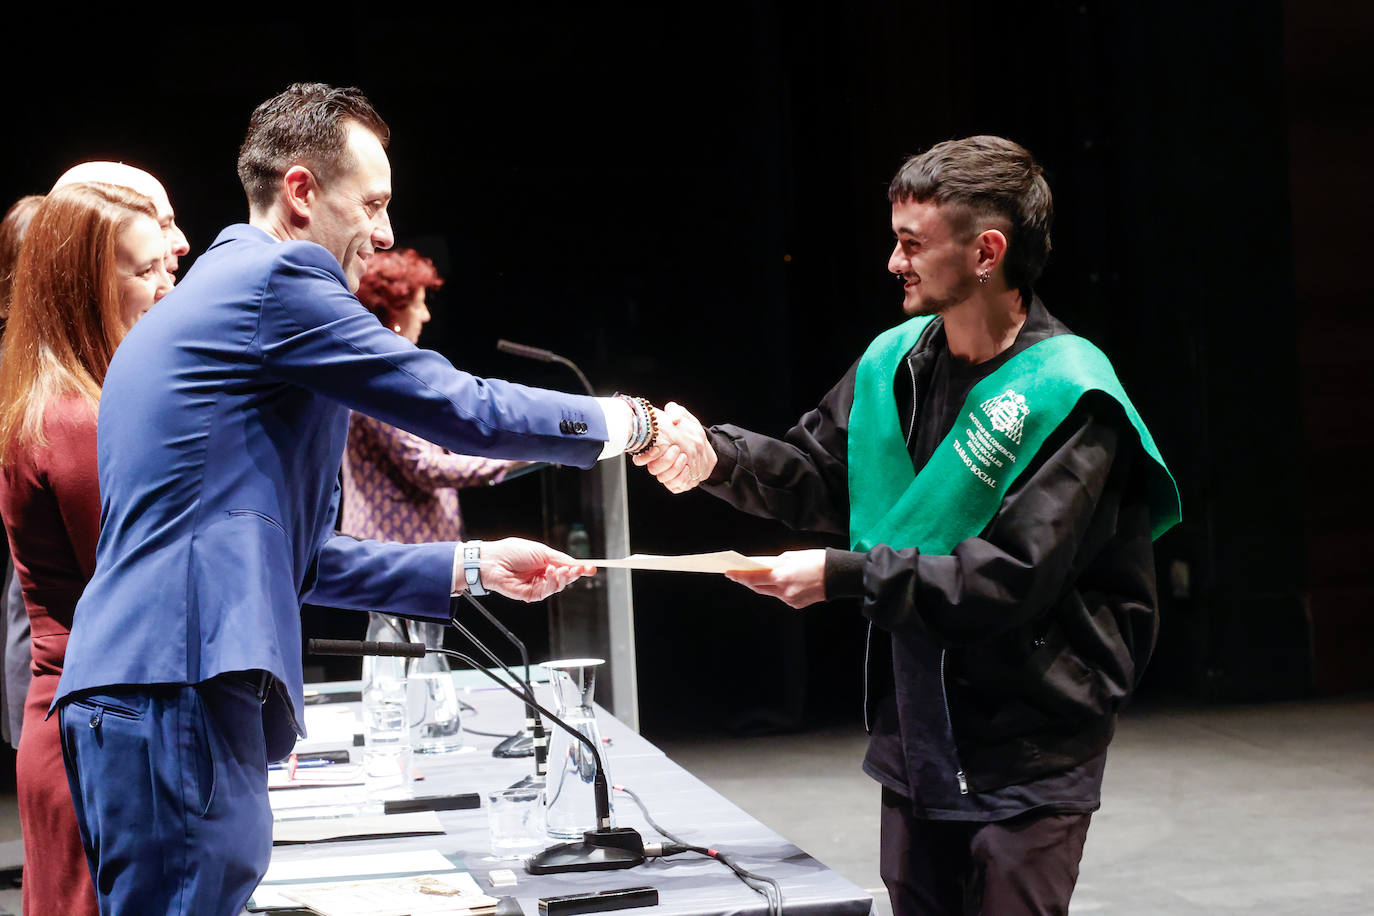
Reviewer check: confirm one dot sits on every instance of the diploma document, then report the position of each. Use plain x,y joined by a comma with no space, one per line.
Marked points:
718,562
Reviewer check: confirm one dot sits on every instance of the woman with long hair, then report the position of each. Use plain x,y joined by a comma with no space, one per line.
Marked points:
90,265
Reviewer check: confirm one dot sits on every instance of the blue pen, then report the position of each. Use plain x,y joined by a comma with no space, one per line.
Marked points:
299,764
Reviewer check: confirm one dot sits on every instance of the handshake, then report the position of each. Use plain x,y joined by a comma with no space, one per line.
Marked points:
682,456
529,571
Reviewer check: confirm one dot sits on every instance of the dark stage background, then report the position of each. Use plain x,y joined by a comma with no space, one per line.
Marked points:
689,202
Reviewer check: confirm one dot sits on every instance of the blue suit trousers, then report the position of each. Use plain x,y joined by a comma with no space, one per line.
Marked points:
170,787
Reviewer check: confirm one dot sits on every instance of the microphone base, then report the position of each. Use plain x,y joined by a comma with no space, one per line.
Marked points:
600,850
517,745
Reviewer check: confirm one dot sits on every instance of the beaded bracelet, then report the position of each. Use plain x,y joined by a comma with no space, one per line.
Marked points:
646,430
636,423
645,433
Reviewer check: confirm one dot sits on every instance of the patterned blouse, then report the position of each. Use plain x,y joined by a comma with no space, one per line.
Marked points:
398,487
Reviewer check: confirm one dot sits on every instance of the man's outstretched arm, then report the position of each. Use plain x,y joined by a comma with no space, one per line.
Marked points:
801,480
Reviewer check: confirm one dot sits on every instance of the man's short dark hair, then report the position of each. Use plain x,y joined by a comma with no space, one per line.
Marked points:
305,125
982,178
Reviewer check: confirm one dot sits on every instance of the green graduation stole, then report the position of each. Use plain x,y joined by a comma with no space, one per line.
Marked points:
1002,424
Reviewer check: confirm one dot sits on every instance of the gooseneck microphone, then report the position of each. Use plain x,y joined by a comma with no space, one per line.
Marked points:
544,356
602,849
521,744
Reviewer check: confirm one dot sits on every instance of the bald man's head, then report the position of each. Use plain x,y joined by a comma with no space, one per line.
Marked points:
135,179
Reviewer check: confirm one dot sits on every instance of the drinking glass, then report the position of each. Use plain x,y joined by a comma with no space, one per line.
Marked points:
516,819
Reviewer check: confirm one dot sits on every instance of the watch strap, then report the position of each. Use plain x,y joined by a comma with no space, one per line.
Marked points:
472,568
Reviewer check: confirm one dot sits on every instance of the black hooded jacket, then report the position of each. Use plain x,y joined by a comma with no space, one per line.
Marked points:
1042,623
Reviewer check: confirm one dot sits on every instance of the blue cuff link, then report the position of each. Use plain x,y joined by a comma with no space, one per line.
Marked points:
472,568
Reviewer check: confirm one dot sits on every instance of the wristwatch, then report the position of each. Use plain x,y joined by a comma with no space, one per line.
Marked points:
472,568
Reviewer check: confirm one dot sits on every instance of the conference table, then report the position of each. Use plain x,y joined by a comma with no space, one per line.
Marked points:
688,883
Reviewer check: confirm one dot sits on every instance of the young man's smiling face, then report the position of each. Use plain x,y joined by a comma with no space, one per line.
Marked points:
935,264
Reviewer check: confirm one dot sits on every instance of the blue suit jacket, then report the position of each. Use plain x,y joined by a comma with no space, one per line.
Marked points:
222,422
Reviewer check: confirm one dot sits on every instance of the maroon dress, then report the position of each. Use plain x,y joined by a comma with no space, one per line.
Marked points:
50,500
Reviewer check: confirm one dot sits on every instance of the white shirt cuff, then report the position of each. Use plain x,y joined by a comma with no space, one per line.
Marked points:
619,421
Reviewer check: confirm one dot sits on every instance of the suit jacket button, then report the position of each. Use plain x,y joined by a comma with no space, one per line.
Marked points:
580,428
565,427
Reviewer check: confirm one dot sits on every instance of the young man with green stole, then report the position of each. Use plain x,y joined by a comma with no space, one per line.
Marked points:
1000,495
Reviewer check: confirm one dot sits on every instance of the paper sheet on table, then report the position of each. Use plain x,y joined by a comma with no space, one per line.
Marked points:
364,827
341,801
371,865
451,893
282,876
313,777
718,562
330,728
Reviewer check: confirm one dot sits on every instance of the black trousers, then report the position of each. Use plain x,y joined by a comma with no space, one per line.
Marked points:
1025,865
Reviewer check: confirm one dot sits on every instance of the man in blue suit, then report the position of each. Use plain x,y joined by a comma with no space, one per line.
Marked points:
222,423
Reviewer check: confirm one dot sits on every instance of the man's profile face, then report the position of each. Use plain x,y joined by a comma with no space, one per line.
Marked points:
934,264
167,220
142,182
349,215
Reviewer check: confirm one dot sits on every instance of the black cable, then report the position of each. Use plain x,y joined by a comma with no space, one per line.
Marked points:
746,876
473,731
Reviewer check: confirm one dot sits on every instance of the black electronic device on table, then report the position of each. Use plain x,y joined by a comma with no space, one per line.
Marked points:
624,898
458,802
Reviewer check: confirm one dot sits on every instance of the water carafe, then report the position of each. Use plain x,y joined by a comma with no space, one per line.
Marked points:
432,713
569,796
437,727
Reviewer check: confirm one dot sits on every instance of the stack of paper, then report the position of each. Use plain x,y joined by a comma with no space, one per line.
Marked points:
381,884
449,893
362,827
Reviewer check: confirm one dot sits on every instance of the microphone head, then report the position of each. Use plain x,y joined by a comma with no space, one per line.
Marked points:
525,350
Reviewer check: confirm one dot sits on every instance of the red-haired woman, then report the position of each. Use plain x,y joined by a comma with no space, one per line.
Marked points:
90,265
398,487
